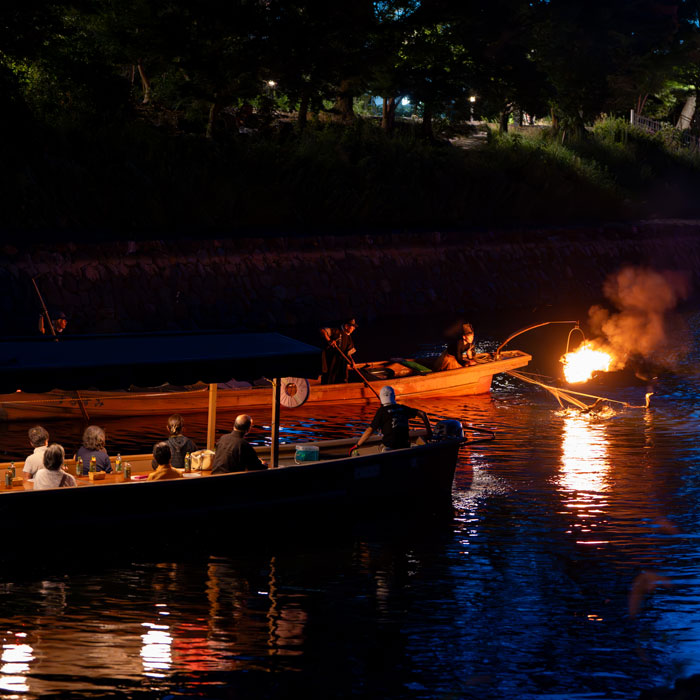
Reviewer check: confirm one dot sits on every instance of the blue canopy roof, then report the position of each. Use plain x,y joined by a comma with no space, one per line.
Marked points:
118,361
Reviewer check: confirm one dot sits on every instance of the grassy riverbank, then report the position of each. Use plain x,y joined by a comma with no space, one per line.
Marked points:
139,180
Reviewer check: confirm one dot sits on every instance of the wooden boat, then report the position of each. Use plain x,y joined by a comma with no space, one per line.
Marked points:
417,477
403,375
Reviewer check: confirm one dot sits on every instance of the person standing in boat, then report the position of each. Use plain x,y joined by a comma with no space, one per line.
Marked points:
338,350
234,453
391,420
459,351
39,440
59,323
179,444
94,446
164,468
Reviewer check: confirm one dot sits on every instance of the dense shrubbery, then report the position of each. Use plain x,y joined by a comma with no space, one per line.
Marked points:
137,180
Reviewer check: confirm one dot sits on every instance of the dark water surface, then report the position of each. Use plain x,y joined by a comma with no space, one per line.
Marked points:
562,527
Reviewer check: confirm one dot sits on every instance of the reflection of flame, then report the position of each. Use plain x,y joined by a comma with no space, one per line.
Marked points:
15,658
580,364
156,650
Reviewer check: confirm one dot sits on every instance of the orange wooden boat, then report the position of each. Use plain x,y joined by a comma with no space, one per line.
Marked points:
407,380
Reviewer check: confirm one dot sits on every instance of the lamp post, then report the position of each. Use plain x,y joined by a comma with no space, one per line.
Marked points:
472,100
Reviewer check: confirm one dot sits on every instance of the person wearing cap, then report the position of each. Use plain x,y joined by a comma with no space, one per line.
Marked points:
59,323
338,350
391,420
459,351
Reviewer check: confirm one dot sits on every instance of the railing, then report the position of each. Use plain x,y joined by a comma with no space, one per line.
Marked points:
678,137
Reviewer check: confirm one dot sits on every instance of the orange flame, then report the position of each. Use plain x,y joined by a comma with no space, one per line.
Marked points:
580,365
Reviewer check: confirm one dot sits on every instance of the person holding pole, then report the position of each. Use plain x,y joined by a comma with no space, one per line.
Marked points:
336,358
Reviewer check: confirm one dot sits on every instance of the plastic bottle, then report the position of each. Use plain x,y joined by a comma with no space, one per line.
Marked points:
78,466
93,463
188,462
118,464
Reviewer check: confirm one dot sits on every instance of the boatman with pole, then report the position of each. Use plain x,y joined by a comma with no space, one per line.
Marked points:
391,419
337,355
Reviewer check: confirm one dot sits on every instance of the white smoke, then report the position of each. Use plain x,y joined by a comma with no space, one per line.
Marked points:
642,323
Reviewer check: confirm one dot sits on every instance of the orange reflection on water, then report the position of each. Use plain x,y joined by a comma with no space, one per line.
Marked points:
585,467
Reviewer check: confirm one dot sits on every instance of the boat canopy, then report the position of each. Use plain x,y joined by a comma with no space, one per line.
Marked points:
119,361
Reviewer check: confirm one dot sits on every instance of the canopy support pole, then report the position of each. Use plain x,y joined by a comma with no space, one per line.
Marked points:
211,417
275,445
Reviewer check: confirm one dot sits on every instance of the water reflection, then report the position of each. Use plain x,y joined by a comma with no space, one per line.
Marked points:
156,651
15,661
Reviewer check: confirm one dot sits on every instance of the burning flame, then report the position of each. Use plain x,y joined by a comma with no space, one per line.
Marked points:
580,364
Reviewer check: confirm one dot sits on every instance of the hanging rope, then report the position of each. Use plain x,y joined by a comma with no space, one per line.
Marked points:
570,396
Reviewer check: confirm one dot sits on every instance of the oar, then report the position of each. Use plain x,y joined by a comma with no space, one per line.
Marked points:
352,364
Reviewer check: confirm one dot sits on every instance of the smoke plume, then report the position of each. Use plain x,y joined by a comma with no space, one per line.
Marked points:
642,324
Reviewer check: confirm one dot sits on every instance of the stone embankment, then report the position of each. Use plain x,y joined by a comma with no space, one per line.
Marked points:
281,282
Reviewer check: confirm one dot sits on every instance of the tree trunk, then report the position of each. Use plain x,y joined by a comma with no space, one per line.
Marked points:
213,115
686,118
303,109
427,124
503,122
343,102
389,114
145,84
555,121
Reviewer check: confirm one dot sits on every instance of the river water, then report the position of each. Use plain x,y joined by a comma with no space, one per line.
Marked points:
569,570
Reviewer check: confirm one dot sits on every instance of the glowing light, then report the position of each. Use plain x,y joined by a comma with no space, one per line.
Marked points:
16,658
156,651
580,365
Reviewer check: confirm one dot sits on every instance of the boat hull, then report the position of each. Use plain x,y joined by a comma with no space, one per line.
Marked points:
417,477
465,381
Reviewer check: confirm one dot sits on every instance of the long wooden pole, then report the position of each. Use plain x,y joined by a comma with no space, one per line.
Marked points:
83,410
211,416
45,310
352,364
275,446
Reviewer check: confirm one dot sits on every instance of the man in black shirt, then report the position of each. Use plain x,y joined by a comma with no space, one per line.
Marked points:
234,453
391,419
338,350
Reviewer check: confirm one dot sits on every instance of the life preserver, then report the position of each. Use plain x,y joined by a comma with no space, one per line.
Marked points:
293,391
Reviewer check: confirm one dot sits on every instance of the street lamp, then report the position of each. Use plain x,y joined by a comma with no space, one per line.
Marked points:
472,100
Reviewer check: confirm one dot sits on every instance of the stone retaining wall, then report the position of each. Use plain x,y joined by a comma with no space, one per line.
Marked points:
259,283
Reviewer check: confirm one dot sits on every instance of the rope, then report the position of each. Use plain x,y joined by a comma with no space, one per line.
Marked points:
569,395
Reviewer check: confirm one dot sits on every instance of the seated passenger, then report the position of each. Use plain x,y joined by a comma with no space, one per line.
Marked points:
459,351
164,470
94,446
391,420
39,440
52,475
234,453
179,444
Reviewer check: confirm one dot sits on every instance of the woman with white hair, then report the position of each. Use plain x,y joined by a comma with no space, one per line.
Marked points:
52,475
